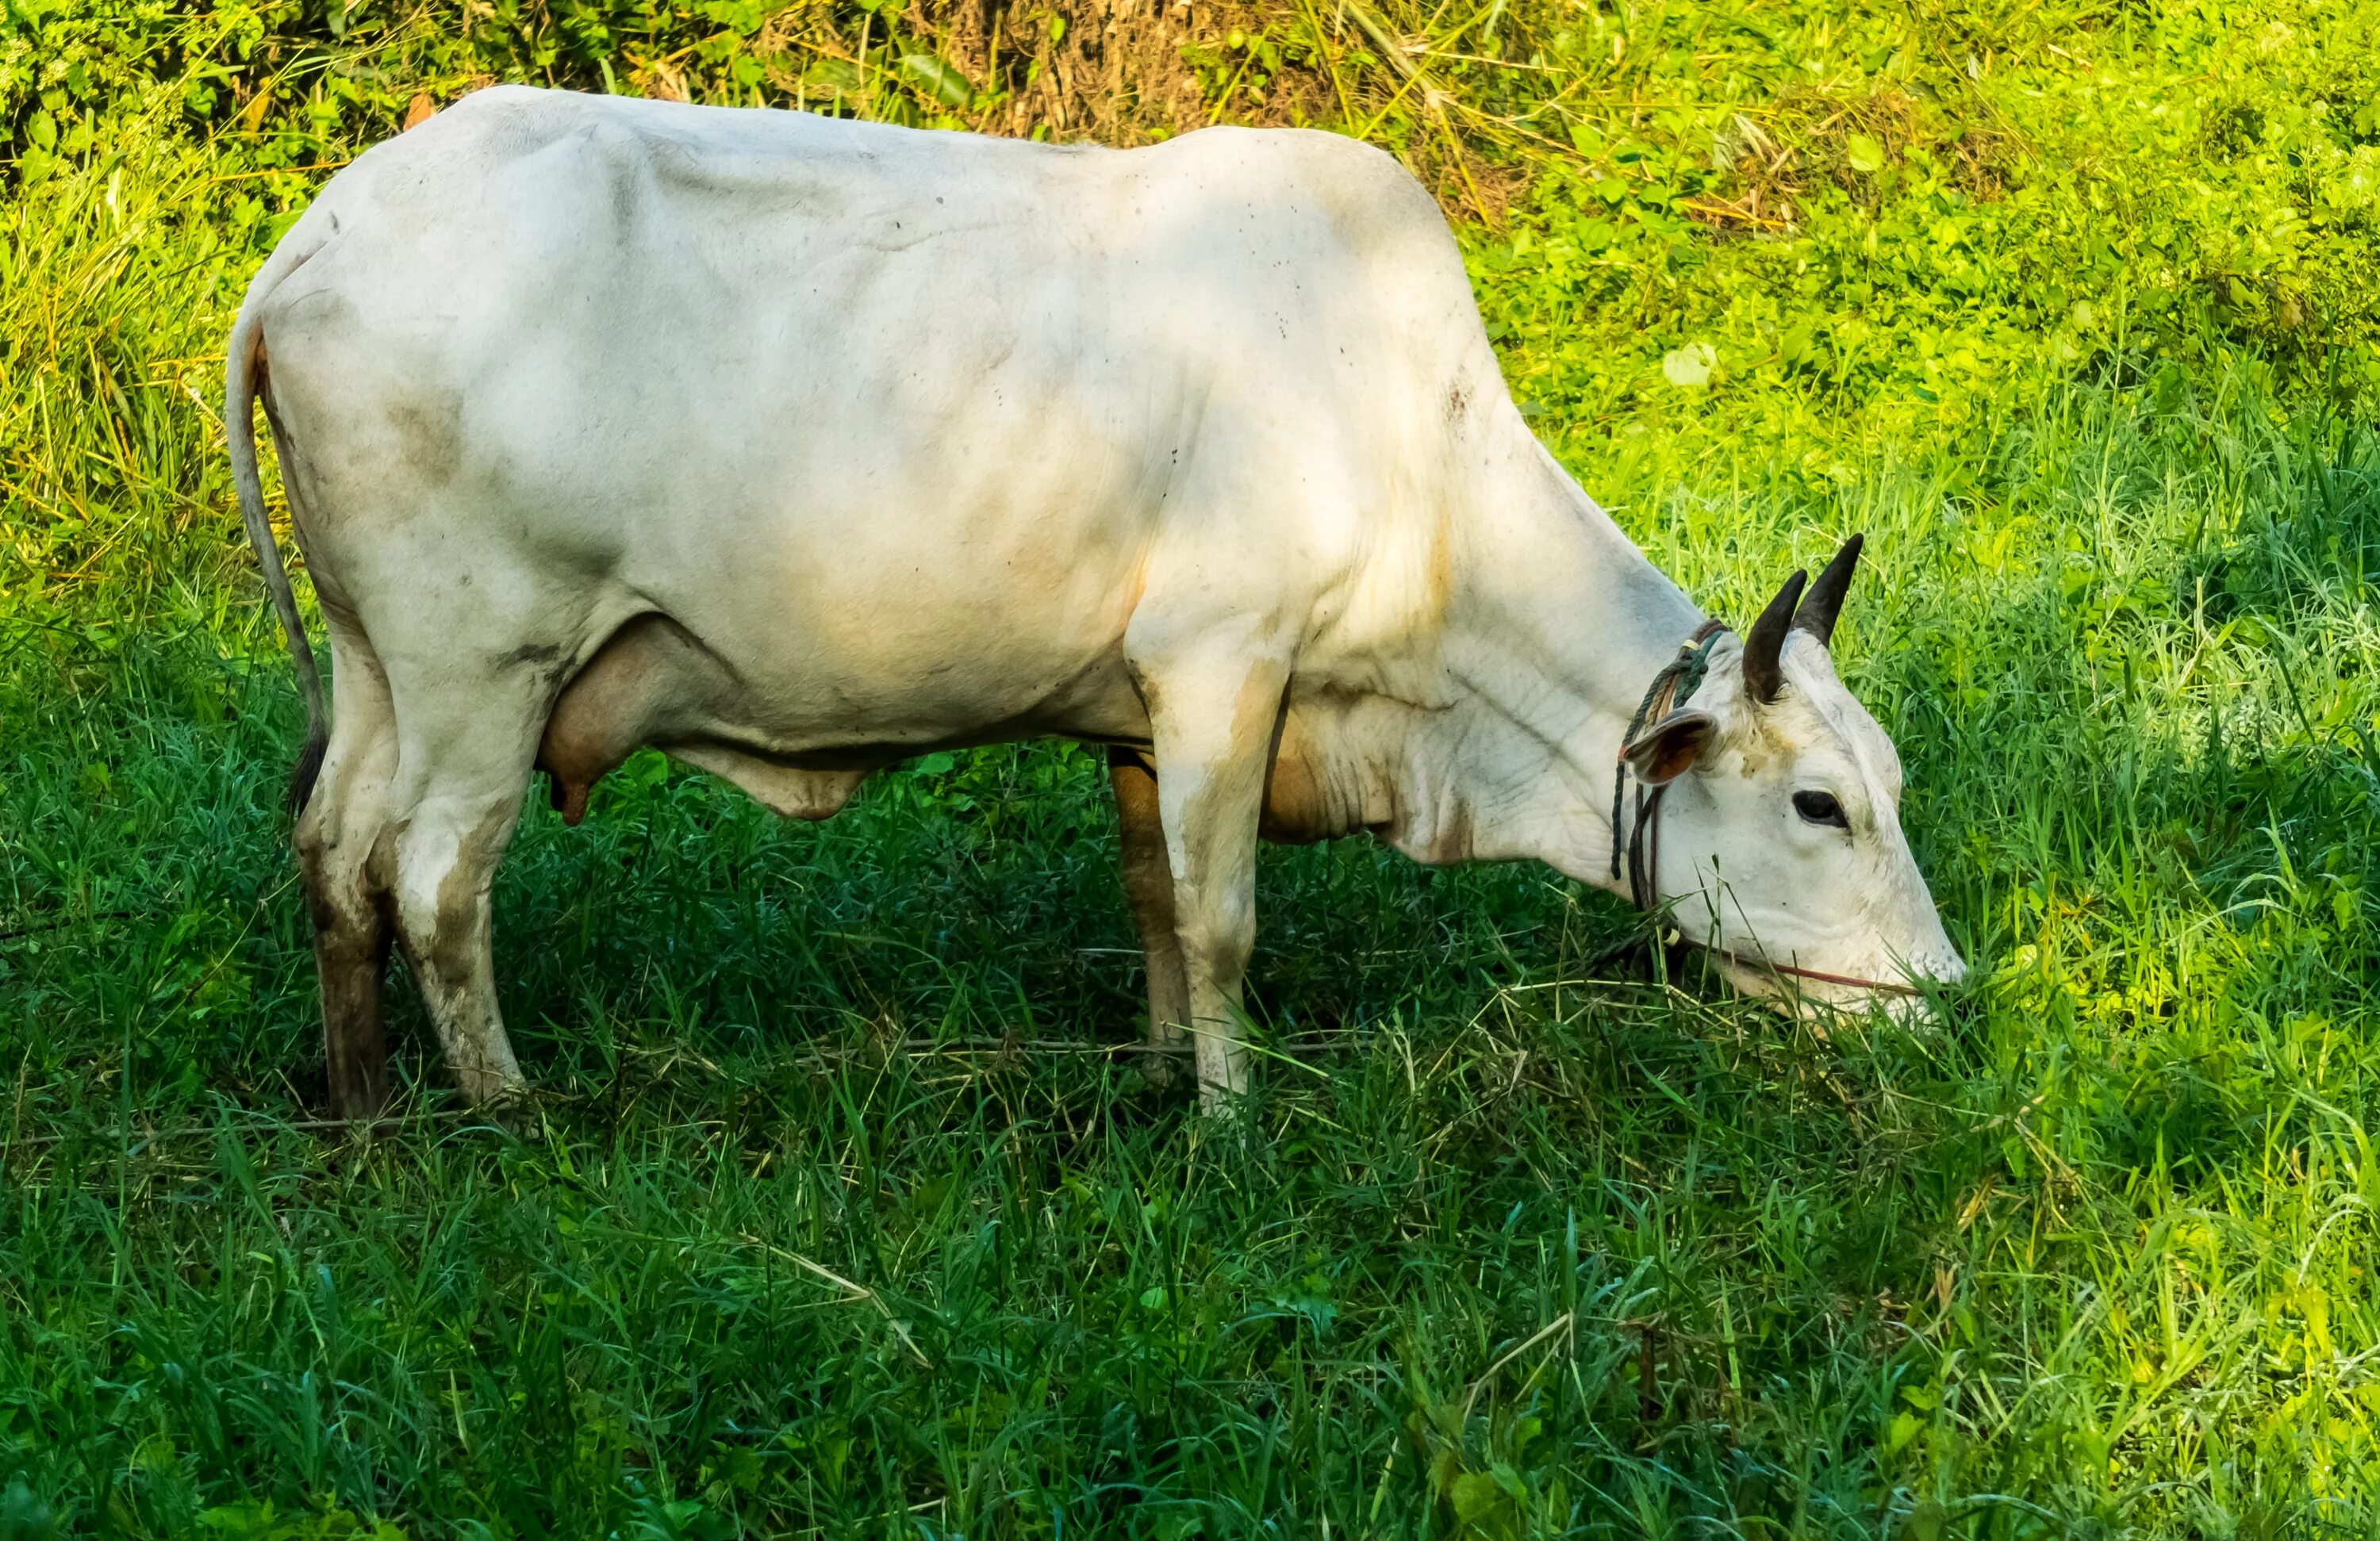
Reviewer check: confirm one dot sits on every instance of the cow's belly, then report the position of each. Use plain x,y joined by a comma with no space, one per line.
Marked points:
654,683
771,685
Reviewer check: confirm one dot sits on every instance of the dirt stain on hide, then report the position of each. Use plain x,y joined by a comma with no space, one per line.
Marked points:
1451,843
429,435
1761,745
452,950
538,654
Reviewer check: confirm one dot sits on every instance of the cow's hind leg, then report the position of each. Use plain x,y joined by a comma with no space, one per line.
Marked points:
1148,884
341,823
465,747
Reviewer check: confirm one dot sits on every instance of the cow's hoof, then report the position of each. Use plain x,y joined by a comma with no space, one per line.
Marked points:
504,1101
1164,1061
1222,1105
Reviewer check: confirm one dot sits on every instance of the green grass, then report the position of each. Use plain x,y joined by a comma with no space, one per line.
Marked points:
840,1214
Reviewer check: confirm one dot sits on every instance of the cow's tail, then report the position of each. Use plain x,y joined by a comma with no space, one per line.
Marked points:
240,379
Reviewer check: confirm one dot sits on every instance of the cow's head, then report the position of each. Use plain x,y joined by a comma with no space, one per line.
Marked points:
1780,835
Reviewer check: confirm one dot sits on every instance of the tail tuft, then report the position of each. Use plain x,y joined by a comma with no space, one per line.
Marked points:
308,770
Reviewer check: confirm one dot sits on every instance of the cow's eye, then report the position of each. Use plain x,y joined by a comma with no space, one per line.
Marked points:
1820,808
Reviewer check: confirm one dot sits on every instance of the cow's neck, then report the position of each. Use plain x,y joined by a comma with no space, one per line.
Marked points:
1558,625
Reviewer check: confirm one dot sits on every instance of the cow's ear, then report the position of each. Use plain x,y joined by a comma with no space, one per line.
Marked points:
1668,748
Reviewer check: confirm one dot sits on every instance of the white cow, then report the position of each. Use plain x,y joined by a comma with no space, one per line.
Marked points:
797,446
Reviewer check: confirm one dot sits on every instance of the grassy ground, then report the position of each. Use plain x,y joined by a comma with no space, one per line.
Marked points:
838,1215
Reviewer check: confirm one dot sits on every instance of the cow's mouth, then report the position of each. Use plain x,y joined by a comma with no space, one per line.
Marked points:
1797,990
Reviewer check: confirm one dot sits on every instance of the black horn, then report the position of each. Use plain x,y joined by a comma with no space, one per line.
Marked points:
1762,675
1825,600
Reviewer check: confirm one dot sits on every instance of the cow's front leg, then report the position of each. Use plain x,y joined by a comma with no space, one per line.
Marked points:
1148,884
1212,711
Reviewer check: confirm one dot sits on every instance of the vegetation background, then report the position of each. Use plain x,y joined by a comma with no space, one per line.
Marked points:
839,1216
